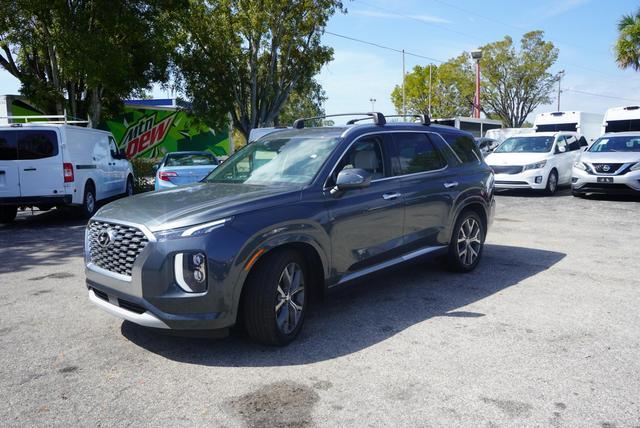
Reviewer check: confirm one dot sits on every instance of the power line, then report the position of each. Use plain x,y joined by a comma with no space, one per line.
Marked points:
384,47
599,95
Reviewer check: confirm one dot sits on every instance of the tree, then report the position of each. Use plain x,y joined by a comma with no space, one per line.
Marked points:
627,47
452,89
246,57
84,55
305,101
515,82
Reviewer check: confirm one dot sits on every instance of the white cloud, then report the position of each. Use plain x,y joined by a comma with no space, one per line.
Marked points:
418,17
558,7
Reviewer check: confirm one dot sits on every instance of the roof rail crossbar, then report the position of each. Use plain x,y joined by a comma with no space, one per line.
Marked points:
424,118
378,118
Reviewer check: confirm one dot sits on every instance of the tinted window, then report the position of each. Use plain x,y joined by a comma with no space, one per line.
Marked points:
554,127
622,125
8,149
367,154
561,143
37,144
464,147
416,153
573,143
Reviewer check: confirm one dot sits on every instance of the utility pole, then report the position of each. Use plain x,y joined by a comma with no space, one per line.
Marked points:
477,55
429,110
373,104
560,74
404,101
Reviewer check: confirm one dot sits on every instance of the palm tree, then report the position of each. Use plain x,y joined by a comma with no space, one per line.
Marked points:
627,47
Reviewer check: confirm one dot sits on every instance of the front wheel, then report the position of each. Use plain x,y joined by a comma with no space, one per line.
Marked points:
552,183
8,213
88,208
275,299
467,243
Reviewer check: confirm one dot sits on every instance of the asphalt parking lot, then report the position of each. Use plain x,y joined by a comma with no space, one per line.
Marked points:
546,332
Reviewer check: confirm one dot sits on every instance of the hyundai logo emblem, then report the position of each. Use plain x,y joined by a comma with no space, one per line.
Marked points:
106,237
606,168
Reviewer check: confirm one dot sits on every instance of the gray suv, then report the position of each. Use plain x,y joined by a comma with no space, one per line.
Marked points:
288,217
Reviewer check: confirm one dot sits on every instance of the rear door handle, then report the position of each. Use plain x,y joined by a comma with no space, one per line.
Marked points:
391,196
450,184
29,169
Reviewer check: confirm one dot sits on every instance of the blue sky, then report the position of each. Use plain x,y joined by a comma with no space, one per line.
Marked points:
583,30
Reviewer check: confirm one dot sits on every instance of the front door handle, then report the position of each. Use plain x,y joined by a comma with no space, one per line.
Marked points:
450,184
29,169
391,196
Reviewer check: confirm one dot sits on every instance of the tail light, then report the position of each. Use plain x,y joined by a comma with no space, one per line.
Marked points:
166,175
68,172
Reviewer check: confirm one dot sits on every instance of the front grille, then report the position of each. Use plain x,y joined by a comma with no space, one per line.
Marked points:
519,183
124,246
101,294
607,168
507,169
605,186
130,306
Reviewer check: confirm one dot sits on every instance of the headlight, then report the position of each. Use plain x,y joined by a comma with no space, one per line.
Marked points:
191,271
536,165
636,167
580,165
197,230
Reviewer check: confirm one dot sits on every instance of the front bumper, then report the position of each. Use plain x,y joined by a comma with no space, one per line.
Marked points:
151,296
530,179
583,182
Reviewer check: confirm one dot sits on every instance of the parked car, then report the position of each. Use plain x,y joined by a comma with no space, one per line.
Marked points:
610,166
538,161
486,145
293,214
180,168
55,165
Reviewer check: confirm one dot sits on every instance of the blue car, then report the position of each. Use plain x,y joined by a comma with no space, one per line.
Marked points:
181,168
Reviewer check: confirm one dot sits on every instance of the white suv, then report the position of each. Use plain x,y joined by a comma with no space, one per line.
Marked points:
540,160
47,165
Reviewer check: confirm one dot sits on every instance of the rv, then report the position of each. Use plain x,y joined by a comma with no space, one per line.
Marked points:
621,119
586,124
477,127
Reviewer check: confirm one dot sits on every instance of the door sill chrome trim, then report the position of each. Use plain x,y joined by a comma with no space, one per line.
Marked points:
388,263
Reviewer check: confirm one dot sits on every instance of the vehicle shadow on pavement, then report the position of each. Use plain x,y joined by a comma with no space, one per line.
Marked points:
45,239
363,314
528,193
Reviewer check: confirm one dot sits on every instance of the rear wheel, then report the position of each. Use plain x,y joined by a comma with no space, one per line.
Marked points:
8,213
552,183
467,242
88,208
275,299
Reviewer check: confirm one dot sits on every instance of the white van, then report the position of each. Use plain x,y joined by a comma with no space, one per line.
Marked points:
586,124
621,119
53,165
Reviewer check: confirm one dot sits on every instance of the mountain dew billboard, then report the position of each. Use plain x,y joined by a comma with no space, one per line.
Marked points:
151,132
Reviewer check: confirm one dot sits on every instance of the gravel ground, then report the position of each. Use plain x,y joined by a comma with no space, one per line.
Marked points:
546,332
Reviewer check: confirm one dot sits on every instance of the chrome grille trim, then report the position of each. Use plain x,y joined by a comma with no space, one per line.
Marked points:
119,256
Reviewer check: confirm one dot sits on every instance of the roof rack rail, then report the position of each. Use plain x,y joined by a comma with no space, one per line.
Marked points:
378,118
424,118
44,119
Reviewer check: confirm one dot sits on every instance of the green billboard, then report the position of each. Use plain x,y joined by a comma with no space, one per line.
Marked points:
151,132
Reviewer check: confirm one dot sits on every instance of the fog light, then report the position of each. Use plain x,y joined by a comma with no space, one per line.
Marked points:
539,179
191,271
574,179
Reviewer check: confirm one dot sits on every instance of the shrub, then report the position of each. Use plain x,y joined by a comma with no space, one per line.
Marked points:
144,174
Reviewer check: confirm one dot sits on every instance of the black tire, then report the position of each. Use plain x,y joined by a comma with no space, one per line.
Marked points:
89,204
552,183
8,213
261,299
459,257
129,189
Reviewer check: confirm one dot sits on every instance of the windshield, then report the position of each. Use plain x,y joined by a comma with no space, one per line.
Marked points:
294,160
616,144
539,144
190,159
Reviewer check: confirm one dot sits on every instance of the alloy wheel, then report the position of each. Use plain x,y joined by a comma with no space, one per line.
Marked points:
91,202
553,182
290,298
469,242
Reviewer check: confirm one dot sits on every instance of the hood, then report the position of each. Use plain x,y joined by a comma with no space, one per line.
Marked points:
610,157
199,203
515,159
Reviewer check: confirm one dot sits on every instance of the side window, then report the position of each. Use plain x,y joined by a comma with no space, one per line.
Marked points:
416,153
464,147
8,148
37,144
561,144
366,153
113,147
572,142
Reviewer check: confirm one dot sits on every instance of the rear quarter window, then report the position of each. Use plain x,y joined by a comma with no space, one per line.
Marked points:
8,148
464,147
37,144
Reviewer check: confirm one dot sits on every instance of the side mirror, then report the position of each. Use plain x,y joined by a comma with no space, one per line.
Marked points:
352,178
561,149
